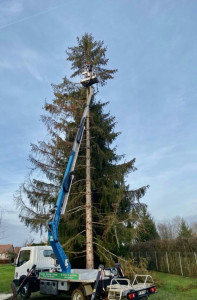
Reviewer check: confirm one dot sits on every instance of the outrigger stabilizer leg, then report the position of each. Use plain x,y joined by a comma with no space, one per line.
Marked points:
98,283
24,282
119,269
98,287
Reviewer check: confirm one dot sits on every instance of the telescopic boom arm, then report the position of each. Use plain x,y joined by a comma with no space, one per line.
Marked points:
68,178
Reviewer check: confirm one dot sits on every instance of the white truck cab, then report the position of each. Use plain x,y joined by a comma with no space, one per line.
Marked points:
28,256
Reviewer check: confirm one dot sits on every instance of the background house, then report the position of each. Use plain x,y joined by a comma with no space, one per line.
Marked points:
7,252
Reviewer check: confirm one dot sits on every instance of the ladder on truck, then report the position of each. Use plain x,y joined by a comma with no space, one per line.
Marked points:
119,287
142,285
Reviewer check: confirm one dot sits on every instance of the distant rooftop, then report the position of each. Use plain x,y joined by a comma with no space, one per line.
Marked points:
6,248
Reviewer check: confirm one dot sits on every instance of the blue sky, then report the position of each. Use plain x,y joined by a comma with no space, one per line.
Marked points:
153,44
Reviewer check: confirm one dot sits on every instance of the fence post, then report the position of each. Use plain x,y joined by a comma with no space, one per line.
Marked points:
195,257
156,260
167,262
180,264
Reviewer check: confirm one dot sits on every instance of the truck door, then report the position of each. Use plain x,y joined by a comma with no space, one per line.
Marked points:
23,264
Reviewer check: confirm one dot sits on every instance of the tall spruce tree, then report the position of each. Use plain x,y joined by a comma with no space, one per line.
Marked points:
146,228
184,231
113,203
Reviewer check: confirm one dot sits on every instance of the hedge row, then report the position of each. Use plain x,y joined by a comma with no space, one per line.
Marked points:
178,245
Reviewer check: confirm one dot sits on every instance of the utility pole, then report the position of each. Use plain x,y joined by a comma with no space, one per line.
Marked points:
89,241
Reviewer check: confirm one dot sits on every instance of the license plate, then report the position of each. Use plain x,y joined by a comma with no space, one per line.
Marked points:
142,292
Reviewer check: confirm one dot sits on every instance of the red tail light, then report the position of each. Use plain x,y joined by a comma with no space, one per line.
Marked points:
152,290
131,296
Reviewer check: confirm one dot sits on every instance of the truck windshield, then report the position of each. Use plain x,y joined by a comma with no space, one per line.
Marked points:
23,257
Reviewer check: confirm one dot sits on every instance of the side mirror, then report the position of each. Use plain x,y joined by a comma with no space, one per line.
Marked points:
52,256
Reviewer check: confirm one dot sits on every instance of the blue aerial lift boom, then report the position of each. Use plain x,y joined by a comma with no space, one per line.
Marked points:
88,80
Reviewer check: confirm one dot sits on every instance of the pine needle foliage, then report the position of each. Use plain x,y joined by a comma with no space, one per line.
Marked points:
114,204
146,228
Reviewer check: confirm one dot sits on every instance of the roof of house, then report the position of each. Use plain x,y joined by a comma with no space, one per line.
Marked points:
6,248
16,250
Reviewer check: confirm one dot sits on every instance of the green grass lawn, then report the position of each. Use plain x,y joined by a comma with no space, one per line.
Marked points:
169,287
6,277
173,287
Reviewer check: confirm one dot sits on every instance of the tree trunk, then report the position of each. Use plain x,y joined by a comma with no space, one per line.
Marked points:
89,245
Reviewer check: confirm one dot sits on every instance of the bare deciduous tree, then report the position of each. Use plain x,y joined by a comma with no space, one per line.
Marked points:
169,229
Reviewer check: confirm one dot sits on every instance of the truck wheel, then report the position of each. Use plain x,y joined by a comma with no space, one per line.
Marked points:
25,293
78,294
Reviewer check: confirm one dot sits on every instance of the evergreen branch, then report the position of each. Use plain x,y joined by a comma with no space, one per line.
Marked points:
99,223
81,193
40,186
102,254
41,165
116,237
106,250
82,256
118,257
74,252
74,237
77,181
76,210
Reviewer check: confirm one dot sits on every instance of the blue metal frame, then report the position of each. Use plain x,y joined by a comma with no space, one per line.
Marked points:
53,225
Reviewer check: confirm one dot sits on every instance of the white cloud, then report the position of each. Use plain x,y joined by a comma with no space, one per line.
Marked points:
10,9
23,58
148,160
16,233
31,60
